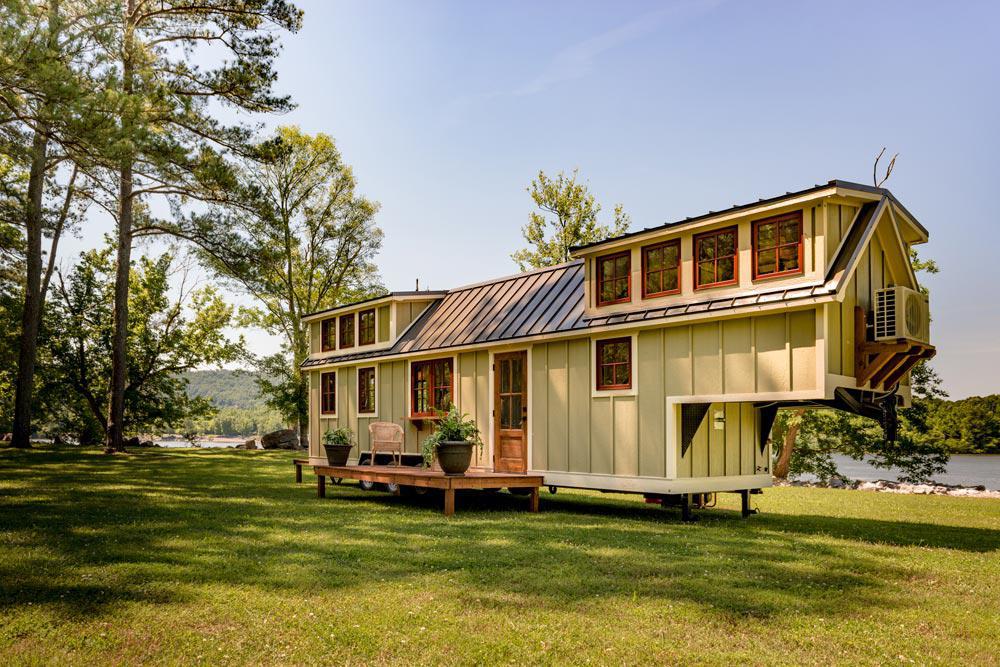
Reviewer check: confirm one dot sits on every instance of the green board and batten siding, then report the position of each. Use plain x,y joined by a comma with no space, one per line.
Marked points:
574,431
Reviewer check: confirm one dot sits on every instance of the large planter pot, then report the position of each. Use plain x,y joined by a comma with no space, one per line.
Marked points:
454,457
337,454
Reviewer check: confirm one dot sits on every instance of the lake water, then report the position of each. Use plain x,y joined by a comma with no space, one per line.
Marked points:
963,469
204,444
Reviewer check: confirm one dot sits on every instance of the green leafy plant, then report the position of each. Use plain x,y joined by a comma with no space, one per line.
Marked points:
338,436
451,426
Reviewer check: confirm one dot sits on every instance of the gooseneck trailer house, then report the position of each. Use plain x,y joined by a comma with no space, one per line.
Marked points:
652,362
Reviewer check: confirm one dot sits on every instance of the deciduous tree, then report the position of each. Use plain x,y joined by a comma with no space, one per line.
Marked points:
170,331
567,217
303,240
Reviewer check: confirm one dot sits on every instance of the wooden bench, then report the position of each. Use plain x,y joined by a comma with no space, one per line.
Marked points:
434,479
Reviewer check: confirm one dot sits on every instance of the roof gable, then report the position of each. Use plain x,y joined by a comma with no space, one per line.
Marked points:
873,219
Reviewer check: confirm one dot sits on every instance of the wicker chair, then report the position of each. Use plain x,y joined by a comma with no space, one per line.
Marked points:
386,437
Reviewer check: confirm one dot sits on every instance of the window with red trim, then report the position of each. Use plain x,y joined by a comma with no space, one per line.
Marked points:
328,335
614,278
715,258
661,269
366,327
346,331
430,387
614,363
777,246
328,393
366,390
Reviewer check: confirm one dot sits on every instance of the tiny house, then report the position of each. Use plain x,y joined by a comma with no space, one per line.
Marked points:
653,362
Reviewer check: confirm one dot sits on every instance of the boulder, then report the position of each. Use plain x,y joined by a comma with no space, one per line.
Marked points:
249,444
131,442
284,439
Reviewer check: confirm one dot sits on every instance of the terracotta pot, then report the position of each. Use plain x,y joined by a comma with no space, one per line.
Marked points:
337,454
454,457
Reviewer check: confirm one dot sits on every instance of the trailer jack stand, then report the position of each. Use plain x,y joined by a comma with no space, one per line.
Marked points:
686,514
746,510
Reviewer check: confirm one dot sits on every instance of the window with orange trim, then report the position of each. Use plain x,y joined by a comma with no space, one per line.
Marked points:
777,246
366,390
614,278
430,387
614,363
366,327
328,393
347,331
661,269
715,258
328,335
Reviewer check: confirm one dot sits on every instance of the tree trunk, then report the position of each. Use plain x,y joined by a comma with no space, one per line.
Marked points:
788,446
33,297
119,336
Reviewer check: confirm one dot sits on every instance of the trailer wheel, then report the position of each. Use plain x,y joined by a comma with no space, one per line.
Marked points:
366,485
392,487
336,480
553,489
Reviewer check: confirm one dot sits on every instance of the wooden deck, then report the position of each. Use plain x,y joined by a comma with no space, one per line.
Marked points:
434,479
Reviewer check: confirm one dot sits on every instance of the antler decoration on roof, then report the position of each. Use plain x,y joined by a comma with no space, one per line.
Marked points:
888,170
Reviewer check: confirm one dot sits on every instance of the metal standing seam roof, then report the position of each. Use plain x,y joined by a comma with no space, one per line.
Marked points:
548,301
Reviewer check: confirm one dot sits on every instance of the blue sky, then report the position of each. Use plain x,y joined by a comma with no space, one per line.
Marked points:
447,110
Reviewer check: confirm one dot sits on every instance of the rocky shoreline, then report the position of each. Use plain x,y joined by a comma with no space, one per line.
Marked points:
886,486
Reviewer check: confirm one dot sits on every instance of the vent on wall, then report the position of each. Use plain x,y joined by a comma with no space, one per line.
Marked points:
901,313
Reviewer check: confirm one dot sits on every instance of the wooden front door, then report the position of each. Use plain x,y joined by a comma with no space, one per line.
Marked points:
510,412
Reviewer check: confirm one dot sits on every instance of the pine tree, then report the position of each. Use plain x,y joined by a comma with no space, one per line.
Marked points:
169,142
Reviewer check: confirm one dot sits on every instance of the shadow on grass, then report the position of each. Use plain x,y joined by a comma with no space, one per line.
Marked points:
83,533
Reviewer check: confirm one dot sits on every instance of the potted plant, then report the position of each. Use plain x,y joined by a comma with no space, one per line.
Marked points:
453,438
338,444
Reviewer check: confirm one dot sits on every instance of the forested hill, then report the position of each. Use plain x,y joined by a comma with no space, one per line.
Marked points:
225,388
241,410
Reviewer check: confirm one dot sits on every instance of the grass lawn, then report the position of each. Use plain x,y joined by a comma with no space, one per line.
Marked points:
218,557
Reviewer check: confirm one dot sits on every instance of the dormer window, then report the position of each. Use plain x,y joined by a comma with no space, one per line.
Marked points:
347,331
366,327
614,278
777,246
328,335
661,269
715,254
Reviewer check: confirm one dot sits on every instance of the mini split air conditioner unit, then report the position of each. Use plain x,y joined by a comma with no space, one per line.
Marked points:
901,313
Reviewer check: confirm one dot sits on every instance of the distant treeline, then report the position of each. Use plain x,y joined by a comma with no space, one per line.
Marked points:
967,426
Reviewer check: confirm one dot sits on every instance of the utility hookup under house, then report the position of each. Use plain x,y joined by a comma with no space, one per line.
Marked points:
653,362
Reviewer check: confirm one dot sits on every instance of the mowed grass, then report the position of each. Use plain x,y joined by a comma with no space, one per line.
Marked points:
217,557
